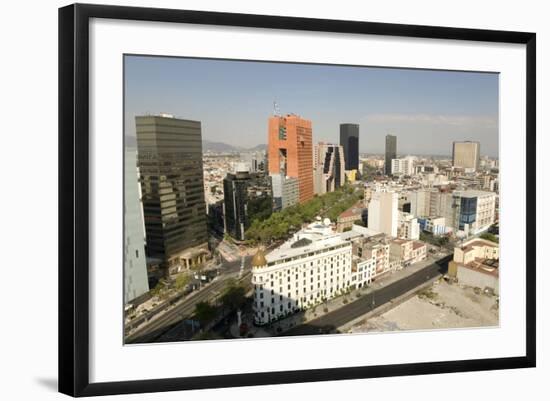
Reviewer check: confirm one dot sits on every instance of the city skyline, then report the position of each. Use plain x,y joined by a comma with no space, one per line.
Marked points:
427,110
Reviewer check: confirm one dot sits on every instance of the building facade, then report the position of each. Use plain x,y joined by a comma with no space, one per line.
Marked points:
390,153
286,191
313,266
171,177
135,265
408,226
404,166
383,212
329,167
466,155
248,196
471,211
290,151
476,264
349,140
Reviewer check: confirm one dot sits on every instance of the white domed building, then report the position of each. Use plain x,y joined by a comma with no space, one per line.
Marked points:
314,265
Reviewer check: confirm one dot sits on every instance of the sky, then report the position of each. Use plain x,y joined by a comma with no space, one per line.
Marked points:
426,109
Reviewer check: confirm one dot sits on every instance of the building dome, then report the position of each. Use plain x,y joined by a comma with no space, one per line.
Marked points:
259,259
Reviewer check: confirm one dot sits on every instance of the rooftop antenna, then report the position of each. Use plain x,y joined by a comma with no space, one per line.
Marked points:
276,111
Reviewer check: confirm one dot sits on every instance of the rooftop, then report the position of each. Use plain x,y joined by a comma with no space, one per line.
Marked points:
486,266
315,237
471,193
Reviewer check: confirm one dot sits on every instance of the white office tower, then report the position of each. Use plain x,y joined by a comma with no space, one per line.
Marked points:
313,266
383,212
135,267
409,228
404,166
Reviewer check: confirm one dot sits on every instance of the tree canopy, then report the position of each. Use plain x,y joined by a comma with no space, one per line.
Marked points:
287,221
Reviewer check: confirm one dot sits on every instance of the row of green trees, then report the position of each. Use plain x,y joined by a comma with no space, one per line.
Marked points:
232,298
280,224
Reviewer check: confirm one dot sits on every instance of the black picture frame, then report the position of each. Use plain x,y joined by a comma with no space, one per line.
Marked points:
74,198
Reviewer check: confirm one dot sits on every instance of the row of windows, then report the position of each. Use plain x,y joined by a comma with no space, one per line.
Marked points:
334,261
307,255
305,295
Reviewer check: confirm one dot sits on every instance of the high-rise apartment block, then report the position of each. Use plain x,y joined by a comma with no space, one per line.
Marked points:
466,155
383,212
404,166
290,151
170,163
349,140
329,167
135,266
390,153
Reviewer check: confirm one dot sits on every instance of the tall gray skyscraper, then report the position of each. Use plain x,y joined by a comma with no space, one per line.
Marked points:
466,155
349,139
391,153
135,266
170,162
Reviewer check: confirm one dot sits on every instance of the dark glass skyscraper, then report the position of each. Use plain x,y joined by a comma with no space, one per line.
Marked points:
247,196
171,176
391,152
349,139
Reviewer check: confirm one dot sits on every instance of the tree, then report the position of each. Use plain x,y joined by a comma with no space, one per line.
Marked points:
233,297
182,280
204,312
489,237
158,289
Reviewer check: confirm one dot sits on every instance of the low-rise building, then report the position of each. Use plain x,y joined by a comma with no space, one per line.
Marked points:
348,217
476,263
434,225
408,252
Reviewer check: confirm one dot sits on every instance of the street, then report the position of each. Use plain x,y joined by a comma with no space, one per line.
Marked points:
159,325
332,320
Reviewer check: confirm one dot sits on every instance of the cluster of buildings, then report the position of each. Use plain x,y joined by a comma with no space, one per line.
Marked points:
319,263
174,195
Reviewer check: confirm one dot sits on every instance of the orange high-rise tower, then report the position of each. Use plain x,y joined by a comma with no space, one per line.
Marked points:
290,151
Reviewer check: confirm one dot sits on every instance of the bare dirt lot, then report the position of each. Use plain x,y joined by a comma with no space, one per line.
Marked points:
440,306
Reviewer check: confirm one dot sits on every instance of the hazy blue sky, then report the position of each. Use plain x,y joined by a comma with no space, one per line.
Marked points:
427,110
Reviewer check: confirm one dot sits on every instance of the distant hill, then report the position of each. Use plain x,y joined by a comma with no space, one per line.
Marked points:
130,142
218,147
224,147
261,146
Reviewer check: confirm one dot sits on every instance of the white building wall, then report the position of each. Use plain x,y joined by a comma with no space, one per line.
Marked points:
383,212
300,283
135,266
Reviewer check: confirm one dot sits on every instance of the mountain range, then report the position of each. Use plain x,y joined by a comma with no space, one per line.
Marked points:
207,145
